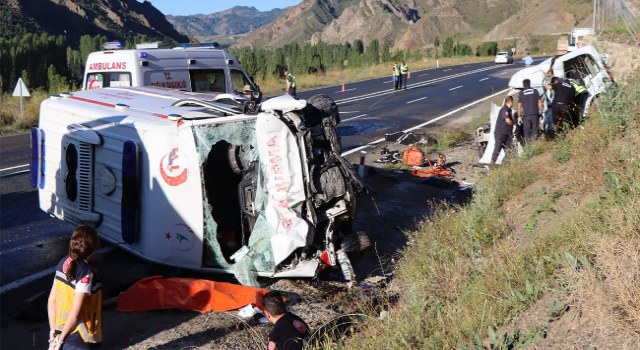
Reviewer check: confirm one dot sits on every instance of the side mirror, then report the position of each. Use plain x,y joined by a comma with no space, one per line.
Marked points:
256,96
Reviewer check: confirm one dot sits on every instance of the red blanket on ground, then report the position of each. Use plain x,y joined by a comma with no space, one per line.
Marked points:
154,293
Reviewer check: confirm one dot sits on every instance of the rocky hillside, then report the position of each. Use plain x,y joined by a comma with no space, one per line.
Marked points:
233,21
414,23
116,19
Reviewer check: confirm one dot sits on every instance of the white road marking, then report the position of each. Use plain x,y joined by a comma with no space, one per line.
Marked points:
360,116
36,276
457,87
16,173
341,112
504,73
446,70
15,167
375,142
483,79
345,90
422,75
416,100
387,82
412,86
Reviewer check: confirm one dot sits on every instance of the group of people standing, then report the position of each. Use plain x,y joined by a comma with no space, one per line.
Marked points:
564,98
400,75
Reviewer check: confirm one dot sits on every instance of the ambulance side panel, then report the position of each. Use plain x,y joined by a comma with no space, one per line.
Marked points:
171,228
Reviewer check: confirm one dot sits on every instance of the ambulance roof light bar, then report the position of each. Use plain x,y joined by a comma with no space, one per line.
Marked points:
112,45
213,45
154,45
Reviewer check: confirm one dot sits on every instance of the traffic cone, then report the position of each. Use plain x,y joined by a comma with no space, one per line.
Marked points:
343,89
409,75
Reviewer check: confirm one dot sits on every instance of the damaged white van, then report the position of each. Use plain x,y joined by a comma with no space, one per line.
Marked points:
203,181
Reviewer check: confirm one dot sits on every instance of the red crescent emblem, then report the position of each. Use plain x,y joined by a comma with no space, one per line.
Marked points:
85,279
91,84
202,85
172,180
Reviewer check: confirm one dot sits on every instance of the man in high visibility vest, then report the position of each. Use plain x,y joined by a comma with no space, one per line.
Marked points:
396,77
577,105
404,69
291,83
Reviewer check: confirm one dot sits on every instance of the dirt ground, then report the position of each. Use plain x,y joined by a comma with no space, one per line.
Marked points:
403,200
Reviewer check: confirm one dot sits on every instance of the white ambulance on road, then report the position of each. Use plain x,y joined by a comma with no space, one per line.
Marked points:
202,181
188,67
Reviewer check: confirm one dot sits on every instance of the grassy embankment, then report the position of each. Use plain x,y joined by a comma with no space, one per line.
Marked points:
563,219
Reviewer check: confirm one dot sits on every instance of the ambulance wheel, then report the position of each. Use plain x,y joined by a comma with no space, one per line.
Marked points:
357,245
234,155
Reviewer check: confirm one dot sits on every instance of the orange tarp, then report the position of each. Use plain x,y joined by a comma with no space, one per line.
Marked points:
154,293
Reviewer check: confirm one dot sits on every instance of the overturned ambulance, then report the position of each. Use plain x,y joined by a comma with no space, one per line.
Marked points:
214,182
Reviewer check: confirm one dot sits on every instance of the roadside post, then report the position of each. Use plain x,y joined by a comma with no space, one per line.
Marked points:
22,91
363,154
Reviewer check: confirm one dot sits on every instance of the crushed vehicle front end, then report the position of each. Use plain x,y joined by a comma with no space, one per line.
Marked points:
206,182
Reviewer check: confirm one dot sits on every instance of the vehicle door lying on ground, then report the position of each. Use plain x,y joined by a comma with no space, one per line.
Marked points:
215,183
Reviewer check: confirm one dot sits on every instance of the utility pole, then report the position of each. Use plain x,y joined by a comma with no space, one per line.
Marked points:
595,6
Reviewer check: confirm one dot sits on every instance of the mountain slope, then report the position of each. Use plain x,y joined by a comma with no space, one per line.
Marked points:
412,23
233,21
116,19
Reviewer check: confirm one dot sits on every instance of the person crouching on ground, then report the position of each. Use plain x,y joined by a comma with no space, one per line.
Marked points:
290,332
75,301
503,132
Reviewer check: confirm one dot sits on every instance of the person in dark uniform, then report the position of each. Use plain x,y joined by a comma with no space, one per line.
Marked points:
503,133
563,95
289,332
529,110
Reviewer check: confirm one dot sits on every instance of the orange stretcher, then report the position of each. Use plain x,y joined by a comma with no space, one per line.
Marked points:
156,293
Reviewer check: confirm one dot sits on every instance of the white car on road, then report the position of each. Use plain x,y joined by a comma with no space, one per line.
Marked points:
503,57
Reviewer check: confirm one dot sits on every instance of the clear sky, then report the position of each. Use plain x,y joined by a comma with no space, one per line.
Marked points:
190,7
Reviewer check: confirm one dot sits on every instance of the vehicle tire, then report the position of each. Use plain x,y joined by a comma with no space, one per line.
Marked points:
235,163
481,149
357,245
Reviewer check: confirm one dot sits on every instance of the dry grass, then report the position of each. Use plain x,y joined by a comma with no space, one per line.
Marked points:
468,269
10,118
273,86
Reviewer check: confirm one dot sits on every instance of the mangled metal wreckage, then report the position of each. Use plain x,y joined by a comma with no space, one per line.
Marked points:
217,183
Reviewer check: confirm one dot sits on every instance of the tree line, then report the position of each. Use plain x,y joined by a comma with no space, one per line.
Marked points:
320,57
49,62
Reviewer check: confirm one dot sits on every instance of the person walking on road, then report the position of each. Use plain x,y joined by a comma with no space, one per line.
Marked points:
75,301
503,133
529,110
404,69
528,60
563,94
289,332
396,77
291,83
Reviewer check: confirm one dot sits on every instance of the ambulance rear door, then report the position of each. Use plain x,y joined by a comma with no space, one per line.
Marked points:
110,69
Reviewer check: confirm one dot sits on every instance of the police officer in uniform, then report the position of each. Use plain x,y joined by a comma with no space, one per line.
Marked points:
291,83
503,133
404,69
563,94
529,110
289,332
579,99
397,79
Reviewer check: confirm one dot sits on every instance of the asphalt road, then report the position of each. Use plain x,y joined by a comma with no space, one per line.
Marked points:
32,242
